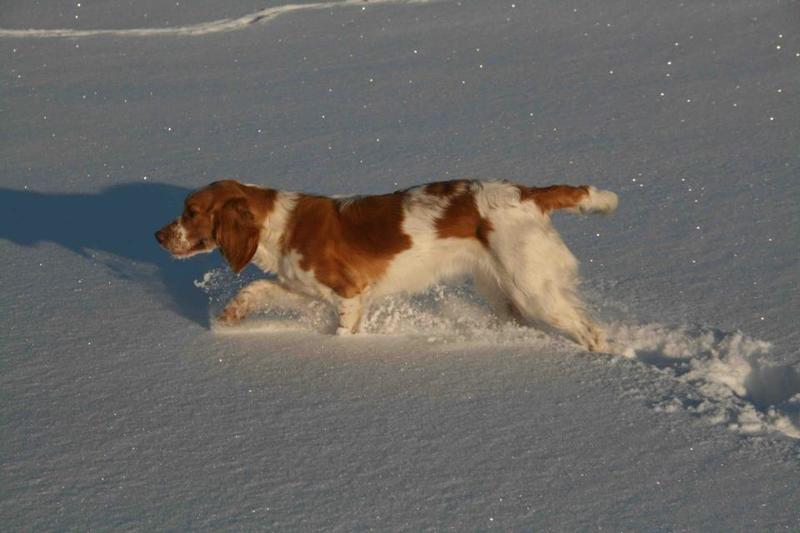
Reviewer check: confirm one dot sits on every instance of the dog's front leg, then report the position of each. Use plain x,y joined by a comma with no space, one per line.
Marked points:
350,311
257,295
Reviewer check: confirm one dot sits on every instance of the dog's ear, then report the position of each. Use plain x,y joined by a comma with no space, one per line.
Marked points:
236,233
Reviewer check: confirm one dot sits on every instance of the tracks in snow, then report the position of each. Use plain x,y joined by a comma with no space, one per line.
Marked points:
194,30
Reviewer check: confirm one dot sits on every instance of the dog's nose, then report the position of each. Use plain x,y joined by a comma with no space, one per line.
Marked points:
161,236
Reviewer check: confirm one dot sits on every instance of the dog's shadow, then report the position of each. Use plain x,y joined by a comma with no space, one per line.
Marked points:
118,222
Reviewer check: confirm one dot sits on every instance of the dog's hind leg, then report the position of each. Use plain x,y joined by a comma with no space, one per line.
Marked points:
542,295
561,310
257,295
565,311
496,298
538,274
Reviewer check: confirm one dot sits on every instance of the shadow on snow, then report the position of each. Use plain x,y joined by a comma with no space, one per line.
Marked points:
120,220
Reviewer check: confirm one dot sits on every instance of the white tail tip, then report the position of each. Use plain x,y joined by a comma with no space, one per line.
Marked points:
598,201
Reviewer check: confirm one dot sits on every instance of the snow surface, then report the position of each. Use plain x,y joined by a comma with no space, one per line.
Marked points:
122,408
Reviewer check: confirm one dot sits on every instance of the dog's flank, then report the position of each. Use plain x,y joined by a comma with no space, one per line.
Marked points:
350,251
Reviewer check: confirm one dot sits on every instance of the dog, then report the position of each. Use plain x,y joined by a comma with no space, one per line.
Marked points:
351,251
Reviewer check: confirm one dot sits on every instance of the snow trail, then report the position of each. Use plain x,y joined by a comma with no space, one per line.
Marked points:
193,30
722,377
729,378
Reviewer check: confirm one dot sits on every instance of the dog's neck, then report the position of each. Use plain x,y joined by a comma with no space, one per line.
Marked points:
268,254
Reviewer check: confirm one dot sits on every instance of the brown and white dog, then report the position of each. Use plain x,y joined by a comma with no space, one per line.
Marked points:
350,251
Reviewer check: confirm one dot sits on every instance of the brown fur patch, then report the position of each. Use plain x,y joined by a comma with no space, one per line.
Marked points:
259,201
461,219
446,188
236,233
553,197
347,244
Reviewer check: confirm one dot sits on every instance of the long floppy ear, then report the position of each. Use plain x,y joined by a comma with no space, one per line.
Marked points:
236,233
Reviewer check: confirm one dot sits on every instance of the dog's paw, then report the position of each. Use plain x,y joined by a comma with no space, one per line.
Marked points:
598,346
597,342
232,314
342,331
594,339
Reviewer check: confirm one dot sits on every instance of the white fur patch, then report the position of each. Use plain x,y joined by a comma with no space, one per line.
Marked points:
180,236
268,253
598,201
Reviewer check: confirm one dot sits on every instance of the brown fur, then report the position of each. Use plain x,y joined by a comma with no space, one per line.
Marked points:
237,233
446,188
347,244
553,197
461,219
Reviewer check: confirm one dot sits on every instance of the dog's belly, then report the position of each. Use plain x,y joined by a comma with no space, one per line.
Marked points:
418,268
411,271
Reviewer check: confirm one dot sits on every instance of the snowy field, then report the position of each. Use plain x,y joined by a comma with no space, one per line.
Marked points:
124,408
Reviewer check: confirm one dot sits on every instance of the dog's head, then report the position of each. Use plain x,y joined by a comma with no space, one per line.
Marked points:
226,215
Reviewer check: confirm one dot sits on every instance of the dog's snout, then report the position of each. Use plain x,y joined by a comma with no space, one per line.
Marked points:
161,236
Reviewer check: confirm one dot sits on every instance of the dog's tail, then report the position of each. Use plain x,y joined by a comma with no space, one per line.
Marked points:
582,199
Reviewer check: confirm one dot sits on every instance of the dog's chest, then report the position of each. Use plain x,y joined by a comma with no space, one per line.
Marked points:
287,268
266,259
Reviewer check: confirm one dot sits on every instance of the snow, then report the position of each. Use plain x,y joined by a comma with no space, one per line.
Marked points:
123,408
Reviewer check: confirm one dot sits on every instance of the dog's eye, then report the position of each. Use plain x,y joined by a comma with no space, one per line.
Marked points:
190,213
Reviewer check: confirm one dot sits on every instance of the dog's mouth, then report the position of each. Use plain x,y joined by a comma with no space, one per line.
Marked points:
203,245
177,245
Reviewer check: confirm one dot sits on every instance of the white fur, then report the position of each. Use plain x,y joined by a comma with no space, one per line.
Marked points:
526,272
180,244
268,255
181,238
598,202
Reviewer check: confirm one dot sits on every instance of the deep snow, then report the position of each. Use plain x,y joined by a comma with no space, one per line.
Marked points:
123,408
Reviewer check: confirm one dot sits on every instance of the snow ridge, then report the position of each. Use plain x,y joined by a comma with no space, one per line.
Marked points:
205,28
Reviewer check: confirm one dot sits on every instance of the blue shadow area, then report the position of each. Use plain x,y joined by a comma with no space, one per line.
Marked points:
119,220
